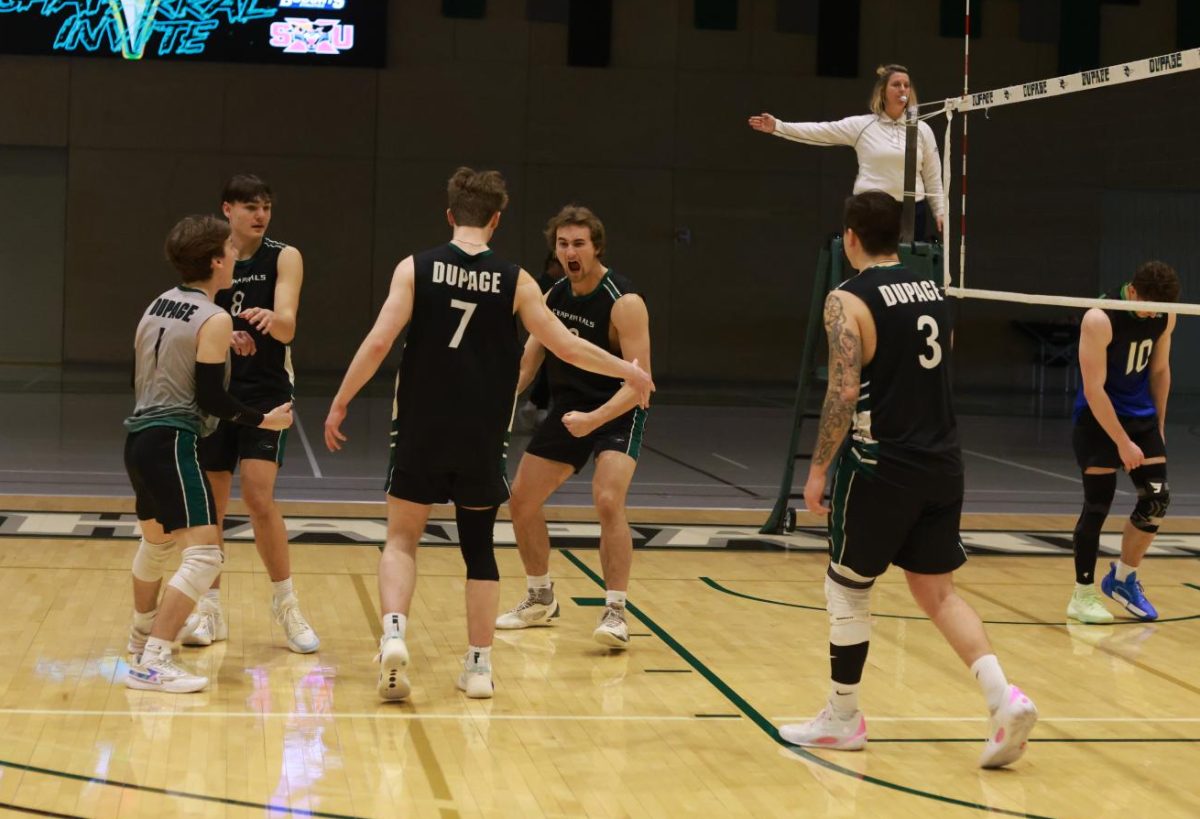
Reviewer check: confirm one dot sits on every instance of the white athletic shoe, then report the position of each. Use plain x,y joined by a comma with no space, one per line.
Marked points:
1087,607
476,678
613,631
300,636
162,673
828,730
1010,727
206,625
393,663
537,609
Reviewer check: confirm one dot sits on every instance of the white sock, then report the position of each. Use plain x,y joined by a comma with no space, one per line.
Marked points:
395,624
541,581
213,596
614,598
155,647
1124,570
1082,587
282,589
843,699
143,621
991,679
480,655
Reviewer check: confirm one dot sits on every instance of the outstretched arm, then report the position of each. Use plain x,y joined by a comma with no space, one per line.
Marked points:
393,317
845,374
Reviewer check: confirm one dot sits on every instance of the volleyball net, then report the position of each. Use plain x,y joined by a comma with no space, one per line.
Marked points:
1105,122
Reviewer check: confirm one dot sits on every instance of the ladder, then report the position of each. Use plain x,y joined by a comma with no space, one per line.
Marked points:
919,257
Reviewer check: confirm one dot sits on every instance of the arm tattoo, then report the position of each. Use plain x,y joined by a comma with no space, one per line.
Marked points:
845,370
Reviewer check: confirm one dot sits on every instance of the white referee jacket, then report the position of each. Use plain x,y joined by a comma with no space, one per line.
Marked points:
879,143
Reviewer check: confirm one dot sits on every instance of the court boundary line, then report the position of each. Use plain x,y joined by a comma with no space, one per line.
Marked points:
708,581
102,780
769,728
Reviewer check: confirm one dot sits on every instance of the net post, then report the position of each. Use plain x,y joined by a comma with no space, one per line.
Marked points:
908,211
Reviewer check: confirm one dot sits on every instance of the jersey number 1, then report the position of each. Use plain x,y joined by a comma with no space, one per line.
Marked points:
468,308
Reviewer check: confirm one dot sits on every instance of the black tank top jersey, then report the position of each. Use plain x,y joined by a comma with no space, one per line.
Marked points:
265,377
1127,380
588,317
457,385
905,413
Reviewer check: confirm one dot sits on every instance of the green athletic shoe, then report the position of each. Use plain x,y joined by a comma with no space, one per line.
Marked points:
1087,607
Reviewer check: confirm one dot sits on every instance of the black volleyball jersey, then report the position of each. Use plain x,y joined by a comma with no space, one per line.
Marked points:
265,377
905,413
457,384
1127,380
588,317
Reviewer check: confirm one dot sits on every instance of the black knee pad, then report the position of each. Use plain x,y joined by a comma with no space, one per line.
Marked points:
475,539
1154,496
1098,493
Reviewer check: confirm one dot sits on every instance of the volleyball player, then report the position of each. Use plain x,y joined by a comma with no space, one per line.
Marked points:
898,489
1120,413
263,301
591,416
180,352
454,402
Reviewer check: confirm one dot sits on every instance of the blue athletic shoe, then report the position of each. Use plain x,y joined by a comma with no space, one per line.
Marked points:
1128,593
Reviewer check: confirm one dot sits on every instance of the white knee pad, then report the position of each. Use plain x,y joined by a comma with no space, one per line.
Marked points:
200,567
849,613
150,560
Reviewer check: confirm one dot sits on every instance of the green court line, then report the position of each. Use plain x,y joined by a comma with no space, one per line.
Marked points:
766,725
708,581
39,811
221,800
1046,739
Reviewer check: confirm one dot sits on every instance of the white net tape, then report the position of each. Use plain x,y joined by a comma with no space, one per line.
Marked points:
1161,66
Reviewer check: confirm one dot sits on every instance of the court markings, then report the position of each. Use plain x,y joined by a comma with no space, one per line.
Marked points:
708,581
767,726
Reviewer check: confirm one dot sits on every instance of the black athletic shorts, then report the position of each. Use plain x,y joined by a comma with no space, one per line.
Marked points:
1093,447
555,442
459,488
221,450
167,479
882,516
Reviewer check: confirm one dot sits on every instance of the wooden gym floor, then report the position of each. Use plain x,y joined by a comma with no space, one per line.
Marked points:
731,640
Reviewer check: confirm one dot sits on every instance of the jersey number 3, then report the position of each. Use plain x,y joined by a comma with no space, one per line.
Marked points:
468,308
1139,356
934,352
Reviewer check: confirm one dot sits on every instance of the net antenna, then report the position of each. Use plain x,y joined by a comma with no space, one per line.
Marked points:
1164,65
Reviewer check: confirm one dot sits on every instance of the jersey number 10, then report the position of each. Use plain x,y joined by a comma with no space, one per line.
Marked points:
1139,356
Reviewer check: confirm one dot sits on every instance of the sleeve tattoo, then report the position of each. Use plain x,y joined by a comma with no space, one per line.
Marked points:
845,371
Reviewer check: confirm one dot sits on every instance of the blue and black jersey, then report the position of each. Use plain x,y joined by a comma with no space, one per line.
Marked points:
1127,379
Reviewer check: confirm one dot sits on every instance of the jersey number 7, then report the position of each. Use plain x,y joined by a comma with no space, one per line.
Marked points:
468,308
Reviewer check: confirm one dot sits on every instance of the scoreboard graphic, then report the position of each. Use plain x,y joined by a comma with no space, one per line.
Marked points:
298,32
